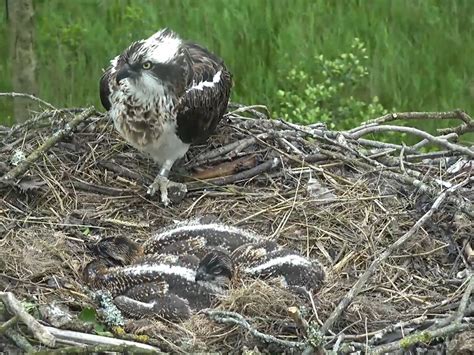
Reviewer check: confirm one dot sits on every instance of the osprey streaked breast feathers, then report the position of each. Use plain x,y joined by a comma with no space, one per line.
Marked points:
164,94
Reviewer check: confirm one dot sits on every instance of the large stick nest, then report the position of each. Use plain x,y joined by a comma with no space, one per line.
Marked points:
334,196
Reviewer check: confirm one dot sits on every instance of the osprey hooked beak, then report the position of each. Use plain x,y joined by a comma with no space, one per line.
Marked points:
125,72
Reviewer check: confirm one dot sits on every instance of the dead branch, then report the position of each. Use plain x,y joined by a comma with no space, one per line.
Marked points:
456,114
354,291
236,319
68,336
28,96
415,131
424,336
227,168
98,349
244,175
231,148
50,142
19,340
15,308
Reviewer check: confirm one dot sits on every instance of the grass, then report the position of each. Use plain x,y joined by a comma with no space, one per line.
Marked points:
420,50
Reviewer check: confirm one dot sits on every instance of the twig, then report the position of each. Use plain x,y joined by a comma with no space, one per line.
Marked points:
50,142
28,96
244,175
123,171
235,146
235,318
98,349
419,116
15,308
8,324
227,168
465,206
19,340
67,336
424,336
354,291
425,141
100,190
415,131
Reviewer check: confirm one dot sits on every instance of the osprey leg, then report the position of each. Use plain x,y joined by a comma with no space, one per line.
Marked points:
162,183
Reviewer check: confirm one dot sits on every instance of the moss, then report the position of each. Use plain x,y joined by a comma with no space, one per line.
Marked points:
423,337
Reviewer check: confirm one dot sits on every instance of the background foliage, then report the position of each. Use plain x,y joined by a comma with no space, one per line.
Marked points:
417,56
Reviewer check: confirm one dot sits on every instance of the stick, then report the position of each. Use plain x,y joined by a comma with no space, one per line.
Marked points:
465,206
235,146
66,336
244,175
354,291
420,116
235,318
98,349
123,171
422,336
50,142
415,131
226,168
28,96
19,340
15,308
100,190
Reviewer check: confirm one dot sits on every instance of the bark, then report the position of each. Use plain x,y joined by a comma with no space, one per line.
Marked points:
22,54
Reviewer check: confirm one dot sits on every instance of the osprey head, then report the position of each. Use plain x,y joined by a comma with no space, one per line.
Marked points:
153,67
216,267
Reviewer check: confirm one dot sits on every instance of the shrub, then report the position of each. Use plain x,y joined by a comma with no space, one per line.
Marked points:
334,95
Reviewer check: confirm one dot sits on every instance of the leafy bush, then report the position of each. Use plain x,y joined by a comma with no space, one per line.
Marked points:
333,96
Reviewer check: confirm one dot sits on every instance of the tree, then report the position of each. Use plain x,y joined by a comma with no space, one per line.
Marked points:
22,54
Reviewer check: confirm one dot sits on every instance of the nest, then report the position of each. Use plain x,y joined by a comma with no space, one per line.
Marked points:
391,223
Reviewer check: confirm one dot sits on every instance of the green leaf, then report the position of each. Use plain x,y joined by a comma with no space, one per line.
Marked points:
88,315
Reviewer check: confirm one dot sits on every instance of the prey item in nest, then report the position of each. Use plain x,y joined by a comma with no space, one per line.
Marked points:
163,95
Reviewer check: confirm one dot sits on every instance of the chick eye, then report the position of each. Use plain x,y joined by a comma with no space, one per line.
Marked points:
146,65
217,270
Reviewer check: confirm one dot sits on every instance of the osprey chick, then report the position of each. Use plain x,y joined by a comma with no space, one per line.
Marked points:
163,95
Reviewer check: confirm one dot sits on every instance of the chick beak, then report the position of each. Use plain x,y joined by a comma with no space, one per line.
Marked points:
202,275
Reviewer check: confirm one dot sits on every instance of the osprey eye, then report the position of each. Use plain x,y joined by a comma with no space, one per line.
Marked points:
146,65
217,270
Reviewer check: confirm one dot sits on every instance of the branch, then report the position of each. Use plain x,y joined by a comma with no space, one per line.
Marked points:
244,175
424,336
50,142
233,147
98,349
465,206
456,114
28,96
68,336
236,319
14,307
415,131
354,291
227,168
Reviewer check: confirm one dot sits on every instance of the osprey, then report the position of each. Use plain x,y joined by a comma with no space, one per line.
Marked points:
161,285
265,259
164,94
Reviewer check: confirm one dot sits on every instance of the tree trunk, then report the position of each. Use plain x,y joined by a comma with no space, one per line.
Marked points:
22,54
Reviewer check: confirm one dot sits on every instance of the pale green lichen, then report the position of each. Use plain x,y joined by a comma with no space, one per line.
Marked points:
423,337
113,316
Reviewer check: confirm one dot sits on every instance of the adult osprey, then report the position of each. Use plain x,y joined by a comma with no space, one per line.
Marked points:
163,95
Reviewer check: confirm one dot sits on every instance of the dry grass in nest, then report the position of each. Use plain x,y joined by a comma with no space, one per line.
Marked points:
342,202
